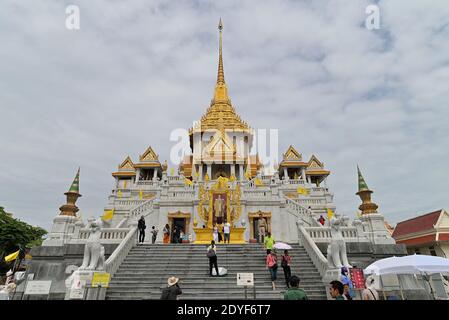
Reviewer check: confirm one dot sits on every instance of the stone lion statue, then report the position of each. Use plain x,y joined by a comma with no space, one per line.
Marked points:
93,250
336,250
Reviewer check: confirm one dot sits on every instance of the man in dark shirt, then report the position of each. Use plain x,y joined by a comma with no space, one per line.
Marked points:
141,226
172,291
294,292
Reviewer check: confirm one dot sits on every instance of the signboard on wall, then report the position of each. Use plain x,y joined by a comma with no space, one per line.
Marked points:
357,278
245,279
101,279
38,287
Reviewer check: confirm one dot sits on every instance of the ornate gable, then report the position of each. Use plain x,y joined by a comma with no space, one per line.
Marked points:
219,145
126,165
314,163
149,155
292,154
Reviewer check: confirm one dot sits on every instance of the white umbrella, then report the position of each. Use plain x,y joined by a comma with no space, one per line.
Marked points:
414,264
282,246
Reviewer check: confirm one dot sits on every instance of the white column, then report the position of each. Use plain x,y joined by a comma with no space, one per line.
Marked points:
200,169
303,173
154,174
233,169
285,174
209,170
137,176
241,172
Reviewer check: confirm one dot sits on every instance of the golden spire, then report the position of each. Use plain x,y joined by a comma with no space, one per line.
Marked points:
221,114
221,91
220,76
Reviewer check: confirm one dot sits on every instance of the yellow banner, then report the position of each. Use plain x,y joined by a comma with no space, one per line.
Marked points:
330,213
108,214
140,194
12,256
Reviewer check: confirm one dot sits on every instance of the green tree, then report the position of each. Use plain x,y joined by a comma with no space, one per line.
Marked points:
15,234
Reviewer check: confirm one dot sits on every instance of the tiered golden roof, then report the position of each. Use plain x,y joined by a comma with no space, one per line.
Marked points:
221,114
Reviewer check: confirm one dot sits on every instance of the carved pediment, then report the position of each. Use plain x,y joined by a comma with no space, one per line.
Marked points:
149,155
219,145
292,154
314,163
127,165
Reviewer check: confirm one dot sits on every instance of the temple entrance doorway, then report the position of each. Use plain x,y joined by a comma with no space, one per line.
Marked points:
180,223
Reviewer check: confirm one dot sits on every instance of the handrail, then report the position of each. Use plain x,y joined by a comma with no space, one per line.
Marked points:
317,257
106,233
304,213
142,208
120,253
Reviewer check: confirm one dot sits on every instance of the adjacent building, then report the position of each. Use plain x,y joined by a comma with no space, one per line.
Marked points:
426,234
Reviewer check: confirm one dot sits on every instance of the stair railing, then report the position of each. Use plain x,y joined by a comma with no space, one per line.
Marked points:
120,253
301,212
315,254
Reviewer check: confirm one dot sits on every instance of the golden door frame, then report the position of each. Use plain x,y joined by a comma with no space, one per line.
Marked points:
255,215
179,214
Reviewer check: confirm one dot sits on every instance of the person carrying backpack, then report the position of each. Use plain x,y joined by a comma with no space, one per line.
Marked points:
212,255
285,264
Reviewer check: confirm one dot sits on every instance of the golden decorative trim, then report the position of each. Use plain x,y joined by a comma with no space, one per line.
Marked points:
148,165
123,174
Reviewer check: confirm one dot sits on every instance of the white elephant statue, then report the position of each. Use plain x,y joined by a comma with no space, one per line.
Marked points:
336,250
93,250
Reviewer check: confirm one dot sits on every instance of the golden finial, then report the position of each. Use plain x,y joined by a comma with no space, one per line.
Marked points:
220,77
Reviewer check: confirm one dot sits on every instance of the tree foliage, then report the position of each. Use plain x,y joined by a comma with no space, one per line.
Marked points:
15,234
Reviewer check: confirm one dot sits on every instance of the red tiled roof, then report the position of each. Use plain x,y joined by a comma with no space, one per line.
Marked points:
418,224
418,240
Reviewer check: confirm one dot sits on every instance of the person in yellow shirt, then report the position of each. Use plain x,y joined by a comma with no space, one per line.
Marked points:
269,242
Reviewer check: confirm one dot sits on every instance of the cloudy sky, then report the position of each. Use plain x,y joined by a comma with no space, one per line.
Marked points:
138,69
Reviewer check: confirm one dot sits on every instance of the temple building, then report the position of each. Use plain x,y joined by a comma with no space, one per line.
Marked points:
221,181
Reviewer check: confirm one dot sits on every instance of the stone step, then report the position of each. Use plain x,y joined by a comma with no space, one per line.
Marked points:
143,273
196,296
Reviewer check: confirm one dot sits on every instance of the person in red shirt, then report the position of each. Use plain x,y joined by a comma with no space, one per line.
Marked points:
321,220
272,265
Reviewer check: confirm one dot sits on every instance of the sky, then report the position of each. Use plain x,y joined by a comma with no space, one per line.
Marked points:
137,70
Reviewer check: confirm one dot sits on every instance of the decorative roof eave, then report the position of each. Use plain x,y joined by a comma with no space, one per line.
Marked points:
293,164
312,172
212,127
148,165
123,174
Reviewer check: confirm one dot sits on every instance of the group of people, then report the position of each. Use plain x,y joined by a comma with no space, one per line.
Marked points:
292,282
339,290
178,233
141,227
226,230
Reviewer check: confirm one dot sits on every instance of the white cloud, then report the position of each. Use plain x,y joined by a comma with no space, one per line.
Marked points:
136,70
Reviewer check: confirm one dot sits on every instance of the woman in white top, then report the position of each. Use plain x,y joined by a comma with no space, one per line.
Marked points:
215,233
370,293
